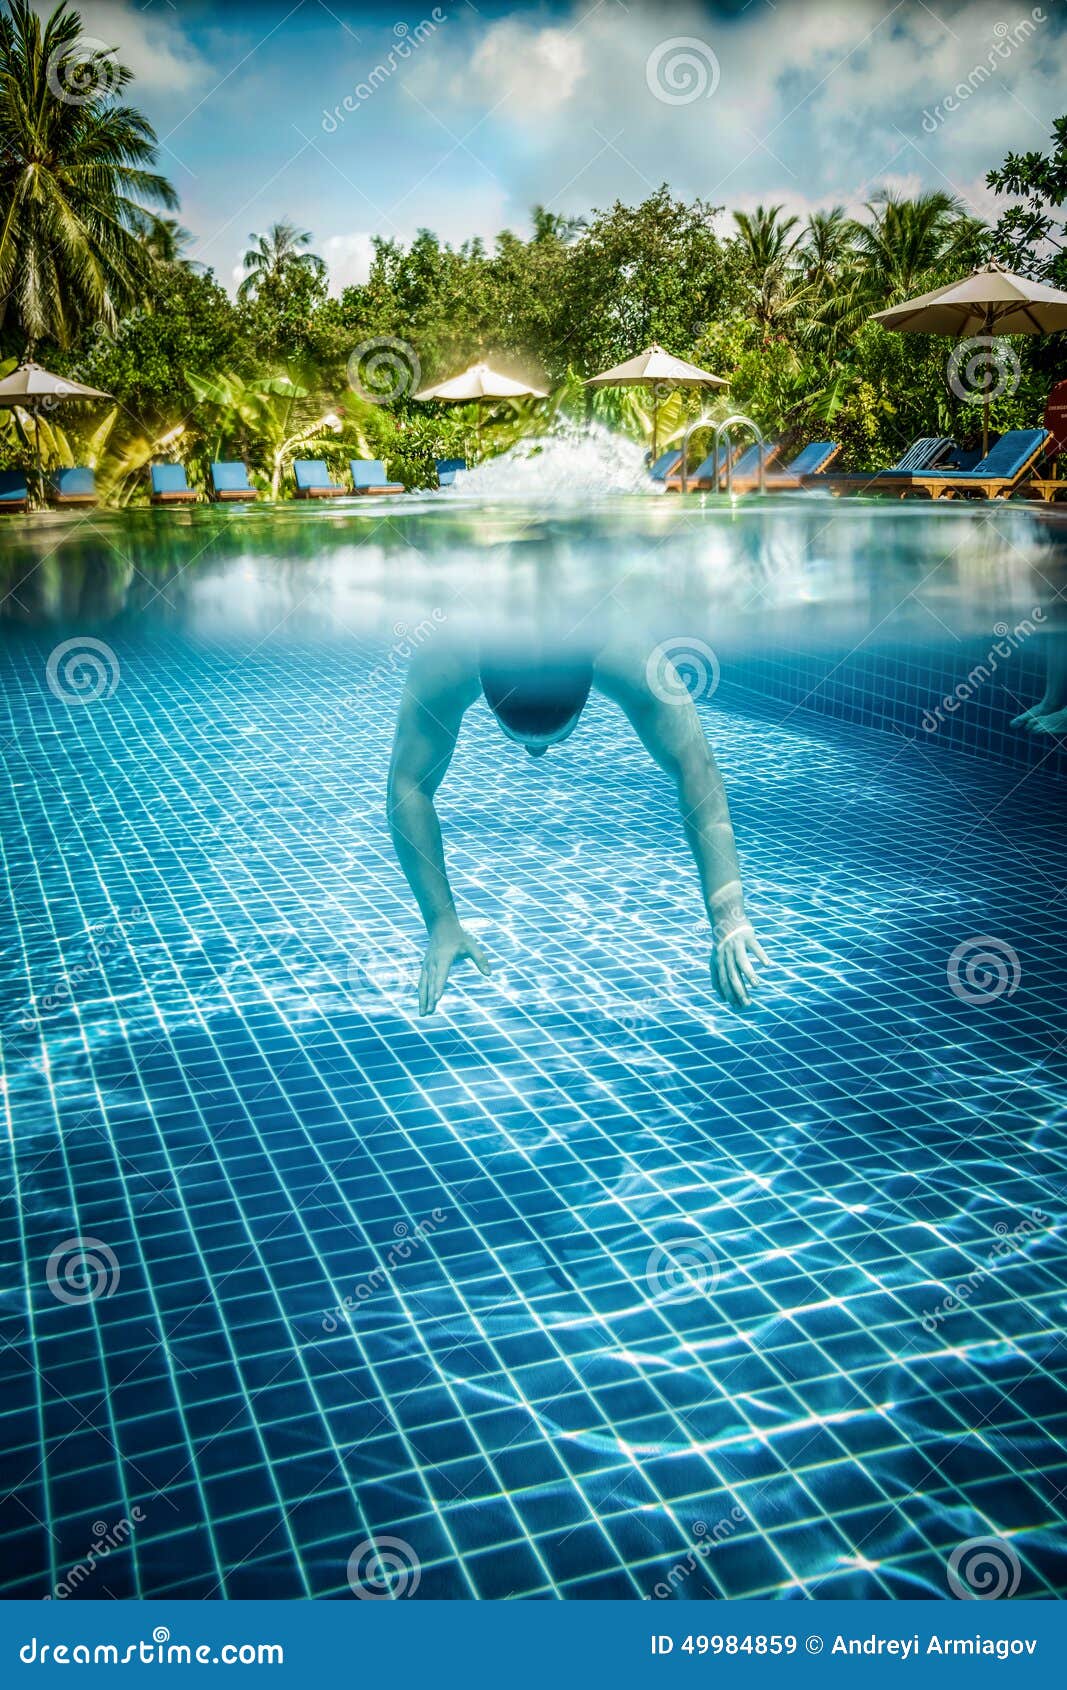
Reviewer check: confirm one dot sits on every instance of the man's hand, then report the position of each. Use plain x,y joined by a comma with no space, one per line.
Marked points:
449,943
732,973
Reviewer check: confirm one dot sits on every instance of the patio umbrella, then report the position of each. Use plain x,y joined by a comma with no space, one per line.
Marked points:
480,385
31,388
990,301
657,370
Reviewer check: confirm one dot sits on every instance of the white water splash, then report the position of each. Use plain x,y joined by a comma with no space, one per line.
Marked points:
569,463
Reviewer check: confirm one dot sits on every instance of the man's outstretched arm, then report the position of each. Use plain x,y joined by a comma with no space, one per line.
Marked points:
670,730
437,693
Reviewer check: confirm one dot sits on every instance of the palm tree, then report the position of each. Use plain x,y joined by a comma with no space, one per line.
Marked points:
826,247
550,225
768,249
905,240
274,253
166,241
73,179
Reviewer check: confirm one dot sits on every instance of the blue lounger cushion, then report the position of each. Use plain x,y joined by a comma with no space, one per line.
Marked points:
811,460
311,472
746,464
666,464
448,469
77,483
369,472
169,478
13,489
230,478
1004,461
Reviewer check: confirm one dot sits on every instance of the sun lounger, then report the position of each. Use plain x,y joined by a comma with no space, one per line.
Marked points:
368,476
14,494
665,464
448,469
921,457
170,485
999,473
313,481
72,487
230,483
702,479
805,470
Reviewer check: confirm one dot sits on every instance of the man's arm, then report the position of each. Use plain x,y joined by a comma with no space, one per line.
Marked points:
670,731
438,692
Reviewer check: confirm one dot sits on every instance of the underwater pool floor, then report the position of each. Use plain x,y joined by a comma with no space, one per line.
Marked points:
585,1287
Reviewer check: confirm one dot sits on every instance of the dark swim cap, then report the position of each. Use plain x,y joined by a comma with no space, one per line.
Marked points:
539,701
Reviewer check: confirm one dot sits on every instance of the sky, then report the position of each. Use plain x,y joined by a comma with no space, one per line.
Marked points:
355,120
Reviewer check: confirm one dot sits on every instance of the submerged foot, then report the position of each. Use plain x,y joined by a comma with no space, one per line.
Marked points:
1030,720
1054,724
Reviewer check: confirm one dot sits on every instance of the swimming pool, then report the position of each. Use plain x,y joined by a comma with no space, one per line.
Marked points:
585,1287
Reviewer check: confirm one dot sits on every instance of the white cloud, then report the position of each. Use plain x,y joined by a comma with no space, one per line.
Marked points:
817,103
152,44
349,259
537,70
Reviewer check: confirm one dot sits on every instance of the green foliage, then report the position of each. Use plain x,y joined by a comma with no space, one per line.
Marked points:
1031,236
779,307
74,181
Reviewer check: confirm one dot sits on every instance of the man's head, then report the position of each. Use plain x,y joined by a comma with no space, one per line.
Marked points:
537,706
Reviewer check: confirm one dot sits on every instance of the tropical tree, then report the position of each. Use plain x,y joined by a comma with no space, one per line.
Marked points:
550,225
904,240
276,254
74,180
1031,236
767,242
165,242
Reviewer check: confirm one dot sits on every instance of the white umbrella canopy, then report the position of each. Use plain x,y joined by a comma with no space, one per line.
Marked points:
33,388
480,385
990,301
480,382
656,369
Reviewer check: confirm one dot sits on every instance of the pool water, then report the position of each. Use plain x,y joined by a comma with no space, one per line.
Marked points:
585,1287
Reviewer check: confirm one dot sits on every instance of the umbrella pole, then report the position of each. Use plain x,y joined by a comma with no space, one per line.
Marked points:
985,396
37,441
655,424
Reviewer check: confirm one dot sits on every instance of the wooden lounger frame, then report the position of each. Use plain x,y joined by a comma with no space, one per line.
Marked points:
991,487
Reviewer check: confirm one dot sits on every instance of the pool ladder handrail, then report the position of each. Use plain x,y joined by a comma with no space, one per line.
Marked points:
724,427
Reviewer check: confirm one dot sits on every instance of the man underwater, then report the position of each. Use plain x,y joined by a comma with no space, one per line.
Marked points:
538,704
